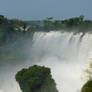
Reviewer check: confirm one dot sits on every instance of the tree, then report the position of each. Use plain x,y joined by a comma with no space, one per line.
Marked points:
3,19
57,24
88,86
48,23
36,79
81,17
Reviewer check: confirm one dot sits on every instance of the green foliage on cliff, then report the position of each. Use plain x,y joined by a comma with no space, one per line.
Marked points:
87,87
78,23
36,79
13,27
11,24
10,28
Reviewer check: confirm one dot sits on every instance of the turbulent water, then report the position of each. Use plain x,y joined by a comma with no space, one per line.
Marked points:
65,53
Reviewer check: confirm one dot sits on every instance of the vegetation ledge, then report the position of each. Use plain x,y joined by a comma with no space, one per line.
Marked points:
36,79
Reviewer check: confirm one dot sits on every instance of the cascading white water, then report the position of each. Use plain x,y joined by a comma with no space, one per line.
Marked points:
65,53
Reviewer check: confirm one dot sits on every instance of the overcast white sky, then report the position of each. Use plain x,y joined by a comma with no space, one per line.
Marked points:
40,9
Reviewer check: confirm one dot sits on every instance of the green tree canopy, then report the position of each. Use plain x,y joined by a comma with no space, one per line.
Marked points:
87,87
36,79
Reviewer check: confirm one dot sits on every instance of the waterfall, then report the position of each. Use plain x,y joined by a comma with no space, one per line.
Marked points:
65,53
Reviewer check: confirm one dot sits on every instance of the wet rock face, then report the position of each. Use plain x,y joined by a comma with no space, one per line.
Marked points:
87,87
36,79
